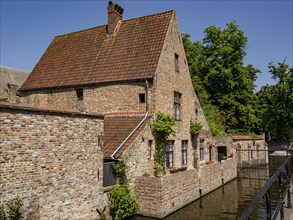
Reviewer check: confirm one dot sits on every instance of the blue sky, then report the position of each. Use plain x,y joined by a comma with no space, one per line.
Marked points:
28,27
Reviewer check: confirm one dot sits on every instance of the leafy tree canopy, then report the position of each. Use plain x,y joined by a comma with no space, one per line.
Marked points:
225,85
276,103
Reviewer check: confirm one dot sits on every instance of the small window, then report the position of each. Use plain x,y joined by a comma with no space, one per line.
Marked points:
176,62
201,150
150,143
196,113
177,100
79,94
141,97
169,154
184,152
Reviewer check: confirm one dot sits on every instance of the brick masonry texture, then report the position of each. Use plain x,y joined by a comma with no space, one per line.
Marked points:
107,98
159,196
53,162
167,81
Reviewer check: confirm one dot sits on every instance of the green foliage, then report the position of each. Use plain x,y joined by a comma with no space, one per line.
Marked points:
162,127
223,83
195,160
102,213
13,211
123,203
276,103
195,127
120,170
2,213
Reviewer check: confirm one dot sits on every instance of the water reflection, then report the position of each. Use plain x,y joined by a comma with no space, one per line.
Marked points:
230,200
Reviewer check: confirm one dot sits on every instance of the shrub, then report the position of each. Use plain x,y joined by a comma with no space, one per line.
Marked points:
13,211
123,203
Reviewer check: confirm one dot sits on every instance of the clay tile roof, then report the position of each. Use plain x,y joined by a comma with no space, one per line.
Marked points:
117,129
90,57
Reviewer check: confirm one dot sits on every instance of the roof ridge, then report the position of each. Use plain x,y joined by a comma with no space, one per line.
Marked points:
151,15
12,68
104,25
75,32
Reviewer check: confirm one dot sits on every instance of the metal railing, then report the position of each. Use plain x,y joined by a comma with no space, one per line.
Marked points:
264,193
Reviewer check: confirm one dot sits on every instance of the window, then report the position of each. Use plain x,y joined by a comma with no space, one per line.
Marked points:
141,97
201,150
150,149
177,99
79,94
184,152
176,62
169,155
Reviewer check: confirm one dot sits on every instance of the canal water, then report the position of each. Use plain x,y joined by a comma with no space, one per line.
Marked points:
230,200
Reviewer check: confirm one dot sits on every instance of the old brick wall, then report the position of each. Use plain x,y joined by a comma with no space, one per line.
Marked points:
136,156
251,152
52,161
167,81
112,97
160,196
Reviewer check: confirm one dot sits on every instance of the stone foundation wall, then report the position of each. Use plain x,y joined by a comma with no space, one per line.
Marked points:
160,196
52,161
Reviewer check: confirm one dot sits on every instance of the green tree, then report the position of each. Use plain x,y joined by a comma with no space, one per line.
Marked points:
221,79
276,103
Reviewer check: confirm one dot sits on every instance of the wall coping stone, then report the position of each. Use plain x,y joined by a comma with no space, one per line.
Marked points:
7,105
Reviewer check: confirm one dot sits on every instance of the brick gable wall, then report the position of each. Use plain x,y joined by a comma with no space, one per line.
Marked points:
168,81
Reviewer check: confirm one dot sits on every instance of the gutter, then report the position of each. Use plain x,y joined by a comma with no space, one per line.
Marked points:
126,139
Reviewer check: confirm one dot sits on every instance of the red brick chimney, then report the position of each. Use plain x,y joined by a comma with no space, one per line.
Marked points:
115,14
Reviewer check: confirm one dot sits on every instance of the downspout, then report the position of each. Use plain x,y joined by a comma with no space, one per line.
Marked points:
126,139
146,96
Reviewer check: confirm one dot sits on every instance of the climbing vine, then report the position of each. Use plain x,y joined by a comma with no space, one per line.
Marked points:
120,170
195,128
162,128
195,160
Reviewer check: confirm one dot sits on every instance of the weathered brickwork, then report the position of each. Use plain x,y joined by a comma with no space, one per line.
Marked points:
168,81
111,97
53,162
160,196
251,152
136,157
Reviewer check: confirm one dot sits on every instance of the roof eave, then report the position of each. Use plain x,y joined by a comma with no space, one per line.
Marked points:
85,84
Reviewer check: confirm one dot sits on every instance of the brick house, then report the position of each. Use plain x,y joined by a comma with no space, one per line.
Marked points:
125,70
128,70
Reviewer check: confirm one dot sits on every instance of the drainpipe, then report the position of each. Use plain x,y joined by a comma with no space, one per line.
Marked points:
126,139
146,96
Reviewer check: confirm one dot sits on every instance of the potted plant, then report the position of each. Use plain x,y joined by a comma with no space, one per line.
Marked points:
210,162
159,170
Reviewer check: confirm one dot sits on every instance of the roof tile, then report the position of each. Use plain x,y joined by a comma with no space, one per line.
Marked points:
117,129
90,56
